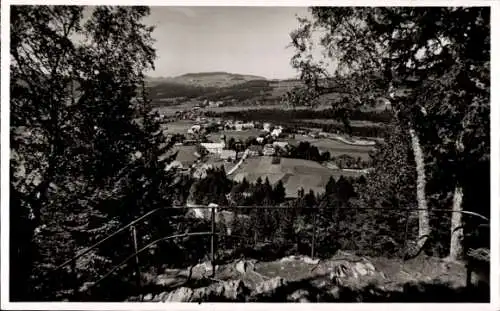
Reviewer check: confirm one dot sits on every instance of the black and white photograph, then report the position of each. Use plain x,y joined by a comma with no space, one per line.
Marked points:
247,154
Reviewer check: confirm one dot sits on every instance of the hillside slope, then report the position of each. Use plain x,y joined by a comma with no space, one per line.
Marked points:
207,79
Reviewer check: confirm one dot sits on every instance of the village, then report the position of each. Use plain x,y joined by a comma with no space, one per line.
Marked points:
247,154
251,149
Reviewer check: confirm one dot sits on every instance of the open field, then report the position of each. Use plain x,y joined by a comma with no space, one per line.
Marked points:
336,148
330,121
185,154
252,107
171,110
179,127
295,173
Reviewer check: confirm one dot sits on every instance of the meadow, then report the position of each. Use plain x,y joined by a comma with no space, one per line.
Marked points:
336,148
294,173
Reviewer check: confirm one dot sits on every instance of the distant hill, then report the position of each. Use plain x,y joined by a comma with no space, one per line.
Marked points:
223,86
208,79
214,86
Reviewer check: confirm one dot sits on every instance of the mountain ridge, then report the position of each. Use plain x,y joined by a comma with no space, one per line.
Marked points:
214,79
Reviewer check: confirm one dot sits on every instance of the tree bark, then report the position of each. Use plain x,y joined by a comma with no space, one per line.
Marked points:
423,212
457,232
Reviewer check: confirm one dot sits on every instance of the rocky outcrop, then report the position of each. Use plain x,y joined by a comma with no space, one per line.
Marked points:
268,287
252,286
233,290
305,259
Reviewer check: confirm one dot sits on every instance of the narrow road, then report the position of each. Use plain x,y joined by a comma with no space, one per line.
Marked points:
232,170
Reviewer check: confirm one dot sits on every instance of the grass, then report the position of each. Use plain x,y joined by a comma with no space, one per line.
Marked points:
185,154
336,148
217,162
295,173
330,121
171,110
179,127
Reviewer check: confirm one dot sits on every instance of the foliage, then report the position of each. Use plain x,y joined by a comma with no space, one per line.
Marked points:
435,63
213,188
85,148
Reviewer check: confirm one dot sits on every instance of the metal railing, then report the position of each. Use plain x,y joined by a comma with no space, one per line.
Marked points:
212,233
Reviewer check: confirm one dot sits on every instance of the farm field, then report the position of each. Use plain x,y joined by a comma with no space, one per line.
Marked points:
185,154
171,110
336,148
330,121
252,107
178,127
294,173
216,162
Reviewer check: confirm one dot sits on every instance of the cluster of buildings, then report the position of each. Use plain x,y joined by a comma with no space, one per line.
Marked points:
209,103
239,125
274,132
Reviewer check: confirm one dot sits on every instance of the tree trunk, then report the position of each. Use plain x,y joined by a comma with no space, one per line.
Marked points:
457,232
423,212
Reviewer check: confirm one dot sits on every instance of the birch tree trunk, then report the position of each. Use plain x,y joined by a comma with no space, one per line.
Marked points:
457,232
423,212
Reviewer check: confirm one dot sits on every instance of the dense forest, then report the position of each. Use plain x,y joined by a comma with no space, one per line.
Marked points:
249,90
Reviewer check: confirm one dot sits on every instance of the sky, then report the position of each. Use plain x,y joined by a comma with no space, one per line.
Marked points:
245,40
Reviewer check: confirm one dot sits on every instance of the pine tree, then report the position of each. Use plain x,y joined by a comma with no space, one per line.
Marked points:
279,192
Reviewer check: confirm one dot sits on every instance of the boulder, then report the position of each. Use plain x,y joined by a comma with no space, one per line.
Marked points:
289,258
305,259
203,269
148,297
243,266
233,290
300,295
310,261
346,270
269,287
183,294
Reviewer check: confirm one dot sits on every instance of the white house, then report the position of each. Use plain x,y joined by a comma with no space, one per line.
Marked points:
268,150
254,150
196,128
280,144
214,147
248,125
276,132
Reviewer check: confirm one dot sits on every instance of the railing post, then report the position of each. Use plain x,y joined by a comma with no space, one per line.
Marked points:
313,234
407,224
137,266
212,242
74,278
